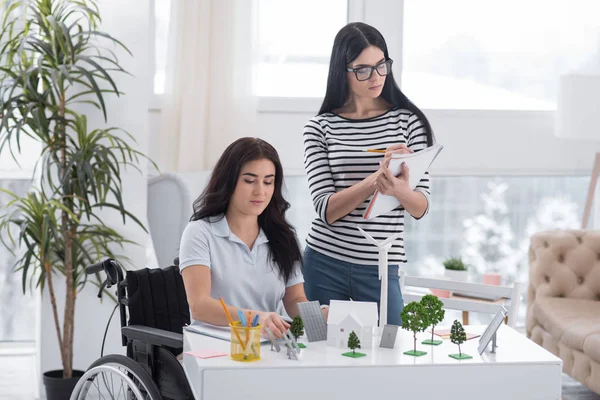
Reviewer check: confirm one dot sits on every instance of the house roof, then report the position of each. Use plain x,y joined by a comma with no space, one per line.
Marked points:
365,312
350,319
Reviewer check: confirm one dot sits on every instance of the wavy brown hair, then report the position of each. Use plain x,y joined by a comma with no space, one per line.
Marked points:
214,200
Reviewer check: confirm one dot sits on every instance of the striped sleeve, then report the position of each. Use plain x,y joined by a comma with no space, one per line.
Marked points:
417,140
316,165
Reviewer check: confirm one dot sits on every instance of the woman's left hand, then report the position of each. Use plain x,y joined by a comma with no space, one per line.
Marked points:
388,184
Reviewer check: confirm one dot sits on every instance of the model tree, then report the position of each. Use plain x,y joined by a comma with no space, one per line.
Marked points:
458,336
414,319
435,314
353,344
297,329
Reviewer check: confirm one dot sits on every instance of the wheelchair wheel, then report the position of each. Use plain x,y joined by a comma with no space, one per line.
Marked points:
116,377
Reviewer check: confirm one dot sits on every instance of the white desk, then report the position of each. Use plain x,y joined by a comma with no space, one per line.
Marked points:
520,369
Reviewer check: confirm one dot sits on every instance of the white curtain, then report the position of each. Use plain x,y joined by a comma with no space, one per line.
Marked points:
209,100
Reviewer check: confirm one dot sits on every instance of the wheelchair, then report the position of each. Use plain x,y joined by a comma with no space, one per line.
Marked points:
153,310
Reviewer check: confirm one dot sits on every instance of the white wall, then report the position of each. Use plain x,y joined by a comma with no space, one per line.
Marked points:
128,22
475,142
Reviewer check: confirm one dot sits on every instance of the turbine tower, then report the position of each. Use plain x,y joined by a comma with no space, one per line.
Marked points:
383,247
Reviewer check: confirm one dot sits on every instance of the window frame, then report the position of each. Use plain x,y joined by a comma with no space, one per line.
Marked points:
368,11
458,128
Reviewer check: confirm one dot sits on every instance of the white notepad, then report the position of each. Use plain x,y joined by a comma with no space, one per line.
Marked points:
214,331
418,163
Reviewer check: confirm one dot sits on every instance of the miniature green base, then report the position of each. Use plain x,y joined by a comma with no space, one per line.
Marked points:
414,353
353,355
432,342
462,356
301,345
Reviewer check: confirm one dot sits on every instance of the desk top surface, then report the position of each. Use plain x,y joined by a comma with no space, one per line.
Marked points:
513,348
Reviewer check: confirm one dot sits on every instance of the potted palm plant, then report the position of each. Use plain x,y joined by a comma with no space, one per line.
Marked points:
52,66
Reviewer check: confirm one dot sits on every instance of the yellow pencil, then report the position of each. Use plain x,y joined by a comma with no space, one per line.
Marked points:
231,321
248,325
375,151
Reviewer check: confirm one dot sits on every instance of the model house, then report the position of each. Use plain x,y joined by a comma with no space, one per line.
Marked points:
348,316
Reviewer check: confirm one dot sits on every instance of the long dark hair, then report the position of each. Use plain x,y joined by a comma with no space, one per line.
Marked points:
214,200
350,41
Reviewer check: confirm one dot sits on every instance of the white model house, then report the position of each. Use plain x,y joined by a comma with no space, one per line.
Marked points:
347,316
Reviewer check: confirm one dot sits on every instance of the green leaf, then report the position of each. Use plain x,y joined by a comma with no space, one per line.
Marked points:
97,91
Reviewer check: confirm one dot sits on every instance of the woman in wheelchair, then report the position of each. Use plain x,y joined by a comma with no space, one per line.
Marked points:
238,244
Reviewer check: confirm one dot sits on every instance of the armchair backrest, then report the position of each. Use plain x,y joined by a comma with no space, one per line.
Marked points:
170,199
564,263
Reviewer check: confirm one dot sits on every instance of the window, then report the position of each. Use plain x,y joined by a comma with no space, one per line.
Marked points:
17,311
295,41
27,158
508,54
162,14
485,220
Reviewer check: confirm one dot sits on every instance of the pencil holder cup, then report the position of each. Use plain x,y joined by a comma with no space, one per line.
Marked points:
249,348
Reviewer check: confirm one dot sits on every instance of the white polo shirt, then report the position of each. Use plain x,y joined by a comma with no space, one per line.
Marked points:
244,278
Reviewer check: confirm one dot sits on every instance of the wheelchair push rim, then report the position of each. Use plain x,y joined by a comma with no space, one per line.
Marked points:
115,380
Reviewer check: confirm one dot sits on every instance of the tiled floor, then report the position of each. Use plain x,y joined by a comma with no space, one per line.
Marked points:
573,390
17,379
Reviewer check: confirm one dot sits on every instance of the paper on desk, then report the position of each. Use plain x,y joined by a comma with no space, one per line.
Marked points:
217,332
445,334
206,353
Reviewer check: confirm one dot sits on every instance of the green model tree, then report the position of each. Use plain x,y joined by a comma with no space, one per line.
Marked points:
458,336
415,319
297,327
435,313
353,342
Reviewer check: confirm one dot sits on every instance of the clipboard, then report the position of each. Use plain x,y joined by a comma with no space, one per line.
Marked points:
418,163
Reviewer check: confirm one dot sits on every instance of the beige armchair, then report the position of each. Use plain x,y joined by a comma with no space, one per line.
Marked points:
563,300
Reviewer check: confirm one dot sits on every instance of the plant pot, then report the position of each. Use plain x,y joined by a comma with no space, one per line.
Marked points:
457,275
440,293
492,278
59,388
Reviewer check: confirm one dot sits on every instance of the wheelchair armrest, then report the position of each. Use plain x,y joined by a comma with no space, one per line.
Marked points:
157,337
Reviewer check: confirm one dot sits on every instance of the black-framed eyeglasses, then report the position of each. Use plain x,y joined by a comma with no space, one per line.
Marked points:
364,73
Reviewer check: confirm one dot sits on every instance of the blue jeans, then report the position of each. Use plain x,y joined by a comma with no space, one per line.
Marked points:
327,278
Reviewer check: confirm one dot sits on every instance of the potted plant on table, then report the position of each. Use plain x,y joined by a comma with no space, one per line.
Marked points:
415,319
456,269
52,62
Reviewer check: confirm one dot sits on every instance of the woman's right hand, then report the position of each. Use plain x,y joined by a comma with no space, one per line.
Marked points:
274,322
399,148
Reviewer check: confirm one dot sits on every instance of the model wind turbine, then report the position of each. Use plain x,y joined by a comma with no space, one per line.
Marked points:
383,247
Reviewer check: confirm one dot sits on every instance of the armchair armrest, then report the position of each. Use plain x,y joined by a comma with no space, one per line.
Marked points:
157,337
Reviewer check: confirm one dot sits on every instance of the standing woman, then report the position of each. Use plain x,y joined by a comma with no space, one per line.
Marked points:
363,109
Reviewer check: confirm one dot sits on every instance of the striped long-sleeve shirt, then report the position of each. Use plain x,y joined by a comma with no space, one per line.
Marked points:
334,160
